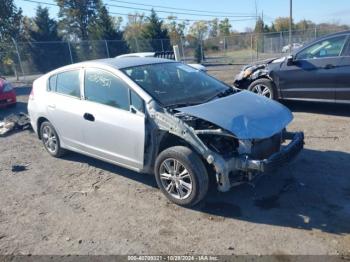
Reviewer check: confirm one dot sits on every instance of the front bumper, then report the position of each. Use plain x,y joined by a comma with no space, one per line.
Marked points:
285,155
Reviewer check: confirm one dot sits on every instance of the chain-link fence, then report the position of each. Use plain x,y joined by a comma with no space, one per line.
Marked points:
28,60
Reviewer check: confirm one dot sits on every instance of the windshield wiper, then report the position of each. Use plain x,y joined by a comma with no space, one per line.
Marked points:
224,93
182,104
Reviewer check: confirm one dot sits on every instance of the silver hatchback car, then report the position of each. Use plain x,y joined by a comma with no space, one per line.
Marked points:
159,116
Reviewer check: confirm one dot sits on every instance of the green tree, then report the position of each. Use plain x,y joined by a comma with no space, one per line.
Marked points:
199,31
42,29
259,26
10,20
132,30
282,24
156,32
305,25
225,27
106,28
77,16
176,31
214,28
10,29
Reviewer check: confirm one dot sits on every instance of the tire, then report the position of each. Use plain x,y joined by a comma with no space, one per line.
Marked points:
51,140
196,176
264,85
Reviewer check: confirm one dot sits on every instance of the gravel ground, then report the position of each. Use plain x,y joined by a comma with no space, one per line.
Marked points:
79,205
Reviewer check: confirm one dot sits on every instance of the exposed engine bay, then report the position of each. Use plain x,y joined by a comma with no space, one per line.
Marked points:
237,142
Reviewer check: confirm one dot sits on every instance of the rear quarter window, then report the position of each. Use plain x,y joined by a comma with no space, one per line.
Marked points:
67,83
52,83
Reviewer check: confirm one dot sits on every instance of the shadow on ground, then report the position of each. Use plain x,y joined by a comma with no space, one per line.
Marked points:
313,192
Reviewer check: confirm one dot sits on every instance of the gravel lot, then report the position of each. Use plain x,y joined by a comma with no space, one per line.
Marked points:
79,205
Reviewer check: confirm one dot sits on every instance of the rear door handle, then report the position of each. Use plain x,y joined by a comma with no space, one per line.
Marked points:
89,117
52,106
329,66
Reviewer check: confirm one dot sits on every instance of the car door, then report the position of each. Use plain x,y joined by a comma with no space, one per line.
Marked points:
64,107
113,130
314,71
342,94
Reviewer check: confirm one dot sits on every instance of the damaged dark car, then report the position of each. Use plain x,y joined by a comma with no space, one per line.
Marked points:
319,71
162,117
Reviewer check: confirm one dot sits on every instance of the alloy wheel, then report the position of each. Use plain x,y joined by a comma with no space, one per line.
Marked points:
175,178
49,139
262,90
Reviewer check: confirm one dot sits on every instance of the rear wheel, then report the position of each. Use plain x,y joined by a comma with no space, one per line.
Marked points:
264,87
51,140
181,176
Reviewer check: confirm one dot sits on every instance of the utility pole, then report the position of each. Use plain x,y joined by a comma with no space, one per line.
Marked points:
290,24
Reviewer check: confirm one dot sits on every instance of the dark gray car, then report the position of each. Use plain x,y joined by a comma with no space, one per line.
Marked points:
319,71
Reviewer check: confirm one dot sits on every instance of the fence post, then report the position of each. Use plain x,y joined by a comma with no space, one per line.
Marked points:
251,47
161,41
183,49
137,45
18,56
201,43
315,31
107,51
70,53
281,42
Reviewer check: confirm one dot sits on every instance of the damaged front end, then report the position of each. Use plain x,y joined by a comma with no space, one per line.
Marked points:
261,69
239,136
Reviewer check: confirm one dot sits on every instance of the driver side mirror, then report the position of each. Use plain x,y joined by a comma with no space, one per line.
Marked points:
290,60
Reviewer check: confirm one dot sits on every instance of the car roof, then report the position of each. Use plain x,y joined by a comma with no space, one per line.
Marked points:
120,63
144,54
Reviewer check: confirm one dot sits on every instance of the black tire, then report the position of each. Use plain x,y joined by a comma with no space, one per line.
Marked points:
58,151
197,175
264,83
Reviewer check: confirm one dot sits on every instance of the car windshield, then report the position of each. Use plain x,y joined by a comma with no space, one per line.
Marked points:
176,84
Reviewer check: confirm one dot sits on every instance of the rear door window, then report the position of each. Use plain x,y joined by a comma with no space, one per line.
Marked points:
105,88
67,83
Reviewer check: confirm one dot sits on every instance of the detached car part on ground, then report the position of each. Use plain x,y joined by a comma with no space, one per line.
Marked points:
7,94
174,121
14,122
319,71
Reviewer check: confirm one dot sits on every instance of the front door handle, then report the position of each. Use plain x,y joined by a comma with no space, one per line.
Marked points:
329,66
89,117
52,106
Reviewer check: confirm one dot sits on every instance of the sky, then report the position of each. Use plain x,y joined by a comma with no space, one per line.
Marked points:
316,10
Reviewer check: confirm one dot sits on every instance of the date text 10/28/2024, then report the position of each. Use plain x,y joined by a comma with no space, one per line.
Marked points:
173,258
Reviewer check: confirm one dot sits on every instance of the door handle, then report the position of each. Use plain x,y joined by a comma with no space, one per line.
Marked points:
89,117
329,66
52,106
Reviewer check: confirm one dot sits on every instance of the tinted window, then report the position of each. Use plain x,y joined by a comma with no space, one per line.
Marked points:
325,48
137,101
346,51
105,88
174,84
68,83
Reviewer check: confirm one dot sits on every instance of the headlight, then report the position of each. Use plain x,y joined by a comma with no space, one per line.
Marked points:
247,73
7,87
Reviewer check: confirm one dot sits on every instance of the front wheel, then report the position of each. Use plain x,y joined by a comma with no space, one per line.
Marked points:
264,87
181,176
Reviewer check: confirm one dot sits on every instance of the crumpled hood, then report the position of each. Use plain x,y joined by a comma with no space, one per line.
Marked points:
244,114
